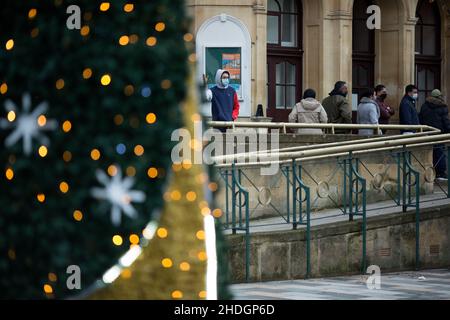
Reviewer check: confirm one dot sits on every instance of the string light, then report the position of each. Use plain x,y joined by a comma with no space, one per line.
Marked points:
95,154
9,173
152,173
202,294
162,233
78,215
118,119
150,118
11,116
105,80
41,197
85,31
202,256
131,171
184,266
32,13
175,195
87,73
67,156
139,150
42,120
167,263
52,277
151,41
67,126
191,196
166,84
134,239
9,44
128,90
48,289
134,38
188,37
43,151
3,88
112,170
160,26
117,240
217,213
104,6
128,7
124,40
177,294
59,84
64,187
200,235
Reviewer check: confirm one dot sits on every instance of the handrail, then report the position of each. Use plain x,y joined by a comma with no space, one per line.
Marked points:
327,145
333,126
322,153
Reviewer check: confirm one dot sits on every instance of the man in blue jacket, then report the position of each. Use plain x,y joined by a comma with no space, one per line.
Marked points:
408,111
224,99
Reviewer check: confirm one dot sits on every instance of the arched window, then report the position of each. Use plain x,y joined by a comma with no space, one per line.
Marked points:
284,57
363,49
428,48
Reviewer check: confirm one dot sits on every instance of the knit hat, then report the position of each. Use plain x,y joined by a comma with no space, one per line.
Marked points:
436,93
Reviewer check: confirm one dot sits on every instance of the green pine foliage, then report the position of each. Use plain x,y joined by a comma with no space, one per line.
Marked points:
41,238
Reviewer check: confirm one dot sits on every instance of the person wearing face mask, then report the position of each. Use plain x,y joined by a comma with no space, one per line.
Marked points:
408,112
368,112
434,113
337,107
224,99
386,112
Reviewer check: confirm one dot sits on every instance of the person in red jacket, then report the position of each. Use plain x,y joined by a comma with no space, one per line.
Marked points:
224,99
386,112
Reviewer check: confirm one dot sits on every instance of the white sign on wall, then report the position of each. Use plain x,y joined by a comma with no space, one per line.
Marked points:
227,43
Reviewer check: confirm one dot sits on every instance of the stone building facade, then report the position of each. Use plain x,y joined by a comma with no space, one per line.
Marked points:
283,47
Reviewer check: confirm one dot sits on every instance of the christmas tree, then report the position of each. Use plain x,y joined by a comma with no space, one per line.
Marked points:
86,119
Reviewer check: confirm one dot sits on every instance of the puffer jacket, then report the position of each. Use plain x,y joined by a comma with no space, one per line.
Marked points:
434,113
368,113
308,111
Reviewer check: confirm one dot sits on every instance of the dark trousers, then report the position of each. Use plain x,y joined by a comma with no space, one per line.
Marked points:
439,160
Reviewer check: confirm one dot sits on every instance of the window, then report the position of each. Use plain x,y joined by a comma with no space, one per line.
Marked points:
282,23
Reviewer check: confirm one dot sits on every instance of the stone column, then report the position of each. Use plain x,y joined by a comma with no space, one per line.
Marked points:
259,46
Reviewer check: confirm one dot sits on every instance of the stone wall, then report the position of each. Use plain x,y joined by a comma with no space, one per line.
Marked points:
336,248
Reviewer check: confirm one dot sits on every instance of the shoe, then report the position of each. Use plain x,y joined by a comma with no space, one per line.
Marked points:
441,179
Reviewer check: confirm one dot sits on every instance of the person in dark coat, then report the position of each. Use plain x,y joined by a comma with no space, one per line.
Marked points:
434,113
337,107
408,111
386,112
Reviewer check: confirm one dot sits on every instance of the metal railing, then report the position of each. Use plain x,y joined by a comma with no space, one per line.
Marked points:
292,162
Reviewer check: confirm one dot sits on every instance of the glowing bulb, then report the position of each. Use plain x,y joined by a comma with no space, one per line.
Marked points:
150,118
78,215
160,26
48,289
64,187
104,6
42,120
152,173
11,116
9,173
3,88
117,240
95,154
67,126
139,150
41,197
87,73
32,13
59,84
106,79
177,294
128,7
162,233
151,41
124,40
9,44
43,151
167,263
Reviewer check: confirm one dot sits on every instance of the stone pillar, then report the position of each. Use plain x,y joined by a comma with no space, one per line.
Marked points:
259,45
336,44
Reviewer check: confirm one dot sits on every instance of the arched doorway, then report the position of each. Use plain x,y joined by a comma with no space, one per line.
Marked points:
284,57
363,66
428,48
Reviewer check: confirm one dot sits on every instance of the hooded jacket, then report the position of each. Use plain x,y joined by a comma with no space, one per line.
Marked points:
224,100
408,113
434,112
368,113
308,111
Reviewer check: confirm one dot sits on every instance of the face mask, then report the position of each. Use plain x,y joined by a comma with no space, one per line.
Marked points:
415,96
225,82
383,96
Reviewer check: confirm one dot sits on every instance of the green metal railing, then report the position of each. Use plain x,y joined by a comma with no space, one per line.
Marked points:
298,192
